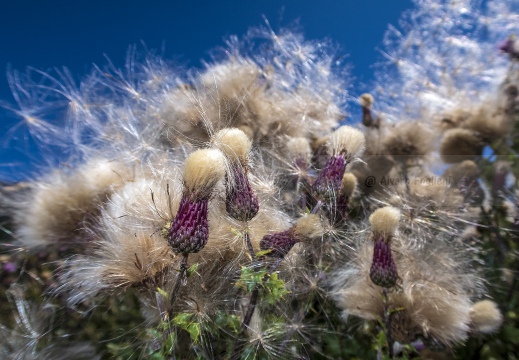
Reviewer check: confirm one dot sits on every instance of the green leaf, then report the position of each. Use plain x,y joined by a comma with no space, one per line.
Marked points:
249,278
228,321
274,289
185,321
192,269
194,331
263,252
182,319
162,293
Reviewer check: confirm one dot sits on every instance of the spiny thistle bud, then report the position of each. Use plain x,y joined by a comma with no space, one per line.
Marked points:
346,144
240,201
383,270
190,229
280,243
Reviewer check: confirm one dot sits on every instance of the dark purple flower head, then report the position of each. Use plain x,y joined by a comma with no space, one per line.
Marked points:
189,231
367,117
511,47
383,270
240,201
279,243
328,183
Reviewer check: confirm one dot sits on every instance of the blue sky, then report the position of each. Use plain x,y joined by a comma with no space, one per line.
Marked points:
76,34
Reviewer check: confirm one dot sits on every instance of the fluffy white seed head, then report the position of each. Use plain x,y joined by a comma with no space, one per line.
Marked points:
408,140
349,140
349,184
203,169
366,100
467,169
309,227
384,221
299,148
58,206
460,144
486,317
234,143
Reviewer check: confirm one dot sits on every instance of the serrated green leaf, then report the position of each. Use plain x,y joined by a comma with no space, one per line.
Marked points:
194,331
182,319
274,289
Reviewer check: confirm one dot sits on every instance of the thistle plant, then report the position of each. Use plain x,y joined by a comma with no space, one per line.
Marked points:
230,213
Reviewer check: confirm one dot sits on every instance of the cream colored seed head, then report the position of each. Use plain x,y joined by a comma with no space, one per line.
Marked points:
309,226
384,221
347,139
469,168
460,144
349,184
466,169
486,317
234,143
203,169
366,100
299,148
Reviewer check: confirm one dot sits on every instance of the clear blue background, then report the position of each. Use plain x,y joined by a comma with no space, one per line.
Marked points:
76,34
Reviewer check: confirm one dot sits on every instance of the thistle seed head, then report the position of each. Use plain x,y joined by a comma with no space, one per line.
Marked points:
460,144
384,222
300,151
348,142
485,317
349,184
234,143
366,100
203,169
308,227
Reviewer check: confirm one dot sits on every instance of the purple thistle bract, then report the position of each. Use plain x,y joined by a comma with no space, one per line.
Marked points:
190,229
240,201
383,269
328,182
279,243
